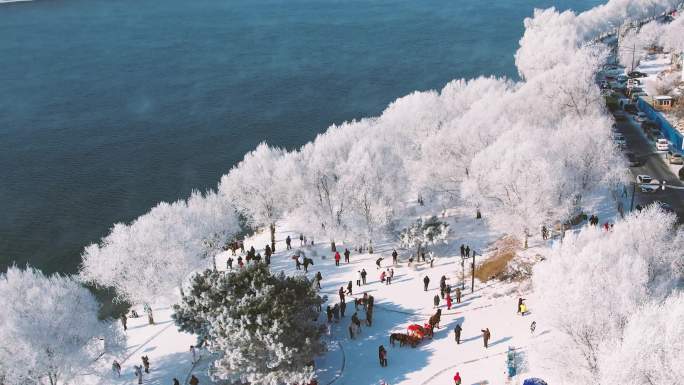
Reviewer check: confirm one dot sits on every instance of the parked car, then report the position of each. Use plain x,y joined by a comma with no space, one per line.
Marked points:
637,74
662,144
641,117
674,157
631,108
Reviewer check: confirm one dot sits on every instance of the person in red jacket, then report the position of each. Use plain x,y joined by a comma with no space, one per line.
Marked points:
457,379
448,301
337,258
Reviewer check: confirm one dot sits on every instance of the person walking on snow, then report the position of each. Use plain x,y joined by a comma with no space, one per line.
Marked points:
288,240
116,368
349,288
301,240
148,310
436,300
458,295
520,303
239,261
341,293
377,263
358,278
124,321
138,372
343,308
457,379
442,286
319,278
346,255
382,354
363,276
307,261
448,302
394,257
176,382
193,380
467,251
486,335
337,258
193,351
229,263
426,282
146,363
457,333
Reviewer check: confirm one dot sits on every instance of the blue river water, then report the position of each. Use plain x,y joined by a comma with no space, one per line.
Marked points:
109,106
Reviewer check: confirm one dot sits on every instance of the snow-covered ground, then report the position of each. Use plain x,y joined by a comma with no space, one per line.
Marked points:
433,361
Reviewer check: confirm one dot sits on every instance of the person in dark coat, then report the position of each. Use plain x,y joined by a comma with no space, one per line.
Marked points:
457,333
229,263
146,363
336,312
343,307
369,315
307,261
288,241
267,251
124,321
239,261
346,255
267,259
458,295
193,380
175,381
394,257
341,293
382,354
467,251
447,291
329,313
486,335
436,300
442,286
319,278
378,262
363,276
349,288
462,250
426,282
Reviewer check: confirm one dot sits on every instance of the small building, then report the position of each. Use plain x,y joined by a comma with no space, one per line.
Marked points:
663,102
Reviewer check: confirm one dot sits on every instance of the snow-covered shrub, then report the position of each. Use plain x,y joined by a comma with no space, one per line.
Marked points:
424,233
49,330
262,326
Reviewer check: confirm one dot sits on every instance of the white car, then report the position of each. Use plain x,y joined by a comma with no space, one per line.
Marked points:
662,145
647,184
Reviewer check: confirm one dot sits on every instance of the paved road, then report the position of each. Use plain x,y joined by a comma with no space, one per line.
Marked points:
653,164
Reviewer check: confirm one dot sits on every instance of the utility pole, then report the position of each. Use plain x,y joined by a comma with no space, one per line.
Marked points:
633,51
472,282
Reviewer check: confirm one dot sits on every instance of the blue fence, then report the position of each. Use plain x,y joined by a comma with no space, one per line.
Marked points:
670,133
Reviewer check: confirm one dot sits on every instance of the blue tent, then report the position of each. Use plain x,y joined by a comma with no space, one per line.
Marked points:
534,381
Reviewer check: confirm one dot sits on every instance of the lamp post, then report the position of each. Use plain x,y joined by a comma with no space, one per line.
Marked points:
463,258
472,282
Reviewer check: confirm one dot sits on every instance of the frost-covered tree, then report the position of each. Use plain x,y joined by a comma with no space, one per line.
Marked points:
263,327
50,331
594,284
149,258
423,233
258,187
650,351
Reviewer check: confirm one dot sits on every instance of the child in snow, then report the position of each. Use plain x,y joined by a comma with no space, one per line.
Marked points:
457,379
382,277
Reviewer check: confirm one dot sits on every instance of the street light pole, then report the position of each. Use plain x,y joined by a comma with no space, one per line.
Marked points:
462,272
472,282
